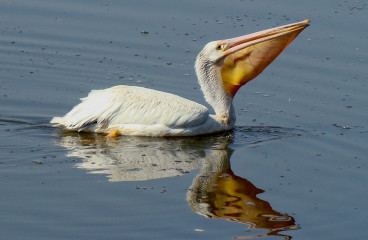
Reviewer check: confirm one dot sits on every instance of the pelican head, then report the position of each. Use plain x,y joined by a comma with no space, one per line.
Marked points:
224,66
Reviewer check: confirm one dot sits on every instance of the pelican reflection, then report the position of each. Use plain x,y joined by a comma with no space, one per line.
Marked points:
216,192
138,158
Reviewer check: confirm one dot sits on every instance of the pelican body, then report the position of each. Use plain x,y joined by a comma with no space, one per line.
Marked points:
222,67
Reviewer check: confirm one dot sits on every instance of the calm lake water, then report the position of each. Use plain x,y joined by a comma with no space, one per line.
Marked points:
295,166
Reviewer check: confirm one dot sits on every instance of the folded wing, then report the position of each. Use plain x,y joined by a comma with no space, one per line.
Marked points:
133,105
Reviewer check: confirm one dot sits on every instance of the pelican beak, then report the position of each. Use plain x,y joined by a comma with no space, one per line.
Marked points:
245,57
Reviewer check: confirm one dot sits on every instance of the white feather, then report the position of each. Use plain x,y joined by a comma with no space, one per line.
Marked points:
138,111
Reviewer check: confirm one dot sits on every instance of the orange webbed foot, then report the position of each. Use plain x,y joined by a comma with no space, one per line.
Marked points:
114,133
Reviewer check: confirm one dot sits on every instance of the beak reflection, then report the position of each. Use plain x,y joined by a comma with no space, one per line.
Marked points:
216,192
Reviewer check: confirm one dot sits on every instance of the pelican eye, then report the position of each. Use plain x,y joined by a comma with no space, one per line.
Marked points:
220,47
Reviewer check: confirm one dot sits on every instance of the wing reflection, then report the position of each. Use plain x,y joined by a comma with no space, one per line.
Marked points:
138,158
216,192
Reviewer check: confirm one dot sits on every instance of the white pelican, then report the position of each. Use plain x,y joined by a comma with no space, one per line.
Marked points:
222,67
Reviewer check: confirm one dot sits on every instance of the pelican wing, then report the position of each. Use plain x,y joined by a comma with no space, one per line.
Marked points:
122,105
